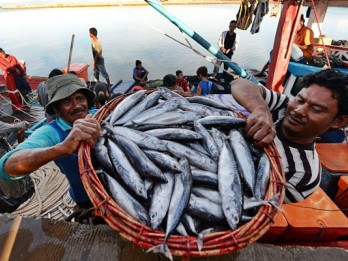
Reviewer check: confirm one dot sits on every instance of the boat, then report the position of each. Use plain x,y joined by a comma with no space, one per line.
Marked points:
322,218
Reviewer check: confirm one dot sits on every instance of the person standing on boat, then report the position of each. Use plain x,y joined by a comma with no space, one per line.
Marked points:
228,43
14,78
97,51
294,124
303,43
58,140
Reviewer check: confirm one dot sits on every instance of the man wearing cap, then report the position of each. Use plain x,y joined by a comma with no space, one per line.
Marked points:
69,99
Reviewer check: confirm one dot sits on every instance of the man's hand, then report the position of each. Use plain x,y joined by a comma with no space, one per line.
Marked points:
260,128
84,130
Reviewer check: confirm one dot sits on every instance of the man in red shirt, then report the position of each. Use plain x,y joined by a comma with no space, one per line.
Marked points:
12,70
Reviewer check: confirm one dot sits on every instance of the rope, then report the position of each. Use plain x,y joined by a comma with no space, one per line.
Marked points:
210,59
24,112
50,199
320,34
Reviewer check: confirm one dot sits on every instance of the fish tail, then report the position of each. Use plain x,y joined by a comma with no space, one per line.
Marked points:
201,236
162,248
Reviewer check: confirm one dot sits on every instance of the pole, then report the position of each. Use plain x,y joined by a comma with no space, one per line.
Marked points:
71,48
200,40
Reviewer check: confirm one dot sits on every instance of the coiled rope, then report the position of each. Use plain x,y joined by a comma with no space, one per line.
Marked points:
51,198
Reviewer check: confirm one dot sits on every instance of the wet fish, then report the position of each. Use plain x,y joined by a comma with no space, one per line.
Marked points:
201,109
168,94
205,210
146,103
207,101
163,160
142,139
176,134
128,203
195,158
208,193
161,108
172,117
219,138
230,187
101,154
220,121
244,158
205,178
126,171
137,157
162,193
208,141
262,176
178,203
125,105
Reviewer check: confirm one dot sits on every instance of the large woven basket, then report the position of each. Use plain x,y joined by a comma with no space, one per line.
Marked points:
217,243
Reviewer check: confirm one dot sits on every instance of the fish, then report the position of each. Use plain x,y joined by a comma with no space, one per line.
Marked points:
245,160
168,94
161,108
172,117
219,138
128,203
126,104
178,203
207,101
201,109
262,176
205,178
142,139
195,158
126,171
101,154
162,193
138,158
230,187
176,134
163,160
219,121
146,103
208,193
205,210
208,141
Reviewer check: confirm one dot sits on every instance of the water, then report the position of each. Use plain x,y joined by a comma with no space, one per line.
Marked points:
42,37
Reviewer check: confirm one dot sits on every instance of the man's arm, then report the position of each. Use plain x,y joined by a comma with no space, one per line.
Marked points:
259,125
28,160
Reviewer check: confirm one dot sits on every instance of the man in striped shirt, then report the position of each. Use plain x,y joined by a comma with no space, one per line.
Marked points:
293,124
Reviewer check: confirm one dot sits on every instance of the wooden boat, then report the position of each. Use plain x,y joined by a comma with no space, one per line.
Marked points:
319,220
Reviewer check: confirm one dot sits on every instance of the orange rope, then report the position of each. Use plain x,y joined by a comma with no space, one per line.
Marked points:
321,35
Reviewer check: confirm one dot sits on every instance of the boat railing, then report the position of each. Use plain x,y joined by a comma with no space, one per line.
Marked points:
338,51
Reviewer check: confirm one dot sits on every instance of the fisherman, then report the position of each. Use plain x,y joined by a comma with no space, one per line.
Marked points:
228,43
69,99
98,64
294,124
102,93
140,74
14,77
303,42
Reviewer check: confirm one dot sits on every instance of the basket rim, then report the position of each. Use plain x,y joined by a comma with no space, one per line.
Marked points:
215,243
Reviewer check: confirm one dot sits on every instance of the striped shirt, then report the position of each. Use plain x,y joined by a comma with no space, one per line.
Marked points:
300,161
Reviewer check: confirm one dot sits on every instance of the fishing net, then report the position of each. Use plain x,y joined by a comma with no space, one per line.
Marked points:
217,243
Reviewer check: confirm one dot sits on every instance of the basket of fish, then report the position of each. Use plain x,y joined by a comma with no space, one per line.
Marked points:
176,175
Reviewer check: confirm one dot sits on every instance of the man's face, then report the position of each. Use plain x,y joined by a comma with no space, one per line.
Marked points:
309,114
232,27
73,108
139,66
180,76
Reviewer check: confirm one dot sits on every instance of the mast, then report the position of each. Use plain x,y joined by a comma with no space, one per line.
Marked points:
283,42
200,40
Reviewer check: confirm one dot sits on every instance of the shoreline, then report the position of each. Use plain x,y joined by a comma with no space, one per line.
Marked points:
121,3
